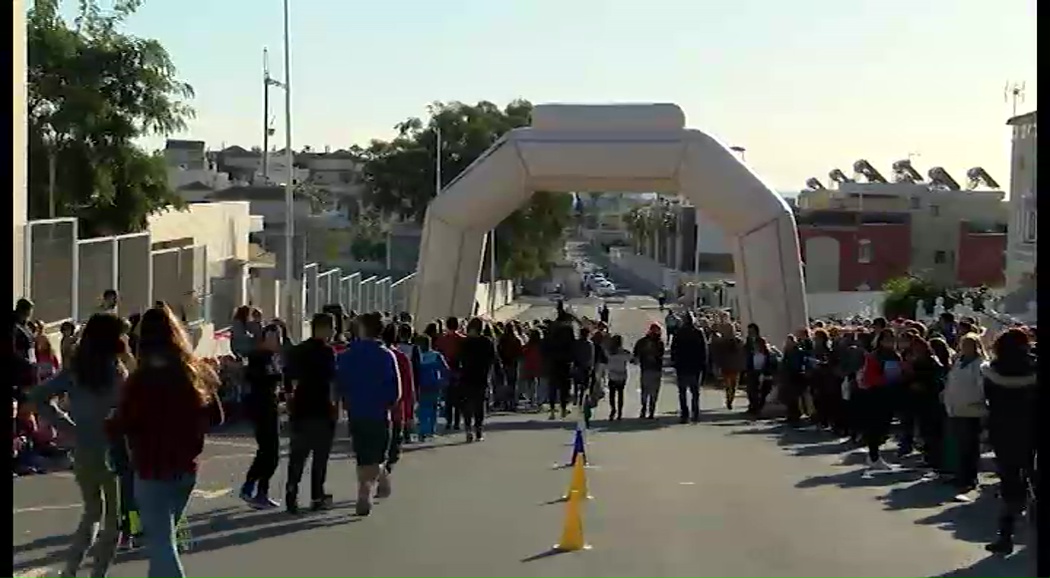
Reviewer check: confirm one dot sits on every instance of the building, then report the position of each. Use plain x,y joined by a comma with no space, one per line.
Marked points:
1020,267
936,208
842,252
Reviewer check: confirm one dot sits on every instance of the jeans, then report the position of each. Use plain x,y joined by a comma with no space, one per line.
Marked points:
473,408
559,386
650,382
309,436
616,387
268,454
98,489
689,383
161,504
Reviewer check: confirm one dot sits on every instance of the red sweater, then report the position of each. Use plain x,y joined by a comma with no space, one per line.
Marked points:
164,426
408,388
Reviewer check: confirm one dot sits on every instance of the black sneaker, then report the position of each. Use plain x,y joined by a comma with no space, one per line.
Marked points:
324,503
683,419
1004,546
291,504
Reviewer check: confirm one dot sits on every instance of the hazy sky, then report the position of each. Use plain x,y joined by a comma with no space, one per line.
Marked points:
804,85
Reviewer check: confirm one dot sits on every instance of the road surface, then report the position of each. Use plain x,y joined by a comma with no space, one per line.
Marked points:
725,497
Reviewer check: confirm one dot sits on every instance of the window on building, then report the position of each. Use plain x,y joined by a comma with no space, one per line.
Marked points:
864,251
1030,224
935,210
916,203
940,257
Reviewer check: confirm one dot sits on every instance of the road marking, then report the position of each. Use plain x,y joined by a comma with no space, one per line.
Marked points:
197,493
212,494
40,572
686,483
231,444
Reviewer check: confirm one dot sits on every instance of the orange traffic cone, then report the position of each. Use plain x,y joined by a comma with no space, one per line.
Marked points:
578,483
572,530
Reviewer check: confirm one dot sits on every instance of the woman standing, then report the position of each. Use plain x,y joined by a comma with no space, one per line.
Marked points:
165,410
881,375
264,377
1010,387
509,348
532,367
927,383
92,381
965,405
761,367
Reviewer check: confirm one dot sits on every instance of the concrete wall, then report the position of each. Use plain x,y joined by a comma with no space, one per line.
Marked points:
501,292
18,187
1022,244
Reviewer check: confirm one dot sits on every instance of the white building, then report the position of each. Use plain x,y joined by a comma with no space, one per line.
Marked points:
1021,244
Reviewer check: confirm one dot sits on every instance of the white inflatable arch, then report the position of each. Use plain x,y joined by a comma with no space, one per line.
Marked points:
614,148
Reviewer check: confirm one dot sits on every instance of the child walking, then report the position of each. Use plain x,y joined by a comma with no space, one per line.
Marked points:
433,379
617,372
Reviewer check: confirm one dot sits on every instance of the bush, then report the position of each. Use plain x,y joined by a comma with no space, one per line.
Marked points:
904,293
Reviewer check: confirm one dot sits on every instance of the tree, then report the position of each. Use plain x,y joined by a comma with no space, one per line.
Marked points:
92,90
399,177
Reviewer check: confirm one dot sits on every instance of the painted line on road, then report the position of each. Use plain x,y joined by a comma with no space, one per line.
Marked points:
40,572
198,493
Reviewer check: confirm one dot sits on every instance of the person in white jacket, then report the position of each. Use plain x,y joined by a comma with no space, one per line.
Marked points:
965,405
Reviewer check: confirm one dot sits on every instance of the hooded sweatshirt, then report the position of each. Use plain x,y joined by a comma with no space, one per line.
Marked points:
1010,389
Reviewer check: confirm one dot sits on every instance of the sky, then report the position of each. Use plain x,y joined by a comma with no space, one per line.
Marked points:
804,85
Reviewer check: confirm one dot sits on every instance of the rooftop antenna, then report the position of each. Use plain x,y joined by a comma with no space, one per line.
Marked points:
1013,93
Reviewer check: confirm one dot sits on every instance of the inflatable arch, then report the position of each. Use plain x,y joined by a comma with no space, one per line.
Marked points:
610,148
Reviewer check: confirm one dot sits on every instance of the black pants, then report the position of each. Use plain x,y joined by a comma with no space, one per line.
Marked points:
509,394
583,379
310,437
1015,463
791,392
268,453
930,417
473,406
906,411
877,407
689,383
966,437
452,403
559,386
616,387
758,388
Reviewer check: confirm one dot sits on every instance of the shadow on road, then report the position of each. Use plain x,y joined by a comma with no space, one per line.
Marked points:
214,530
1020,564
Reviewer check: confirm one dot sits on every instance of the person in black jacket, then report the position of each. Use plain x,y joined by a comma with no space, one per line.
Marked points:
558,346
1010,382
264,376
689,356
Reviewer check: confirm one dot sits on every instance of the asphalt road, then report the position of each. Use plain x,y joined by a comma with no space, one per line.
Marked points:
725,497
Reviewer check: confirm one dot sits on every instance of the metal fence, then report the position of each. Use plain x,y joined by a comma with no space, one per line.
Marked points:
51,276
66,277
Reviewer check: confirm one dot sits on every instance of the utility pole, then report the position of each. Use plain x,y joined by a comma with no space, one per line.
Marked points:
295,318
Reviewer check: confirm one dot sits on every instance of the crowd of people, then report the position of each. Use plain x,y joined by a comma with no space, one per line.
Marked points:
136,403
939,388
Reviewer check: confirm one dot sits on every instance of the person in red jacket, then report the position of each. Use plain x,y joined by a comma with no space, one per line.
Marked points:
448,344
880,378
406,405
165,409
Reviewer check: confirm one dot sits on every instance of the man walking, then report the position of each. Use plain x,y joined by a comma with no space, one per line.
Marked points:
689,356
369,383
311,412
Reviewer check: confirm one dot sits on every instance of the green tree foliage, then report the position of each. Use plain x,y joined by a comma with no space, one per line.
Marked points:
92,90
904,293
399,176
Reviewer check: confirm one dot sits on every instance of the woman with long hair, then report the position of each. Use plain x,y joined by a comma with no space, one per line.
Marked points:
926,383
91,380
1011,390
881,376
165,410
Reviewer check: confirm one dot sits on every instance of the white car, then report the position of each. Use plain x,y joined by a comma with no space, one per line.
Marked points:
605,289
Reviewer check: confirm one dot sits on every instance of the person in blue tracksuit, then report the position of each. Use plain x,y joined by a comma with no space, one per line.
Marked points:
433,378
367,379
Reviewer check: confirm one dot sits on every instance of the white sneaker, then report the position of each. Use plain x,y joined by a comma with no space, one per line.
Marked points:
879,465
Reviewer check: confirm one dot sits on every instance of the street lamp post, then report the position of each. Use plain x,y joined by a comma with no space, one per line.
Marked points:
289,185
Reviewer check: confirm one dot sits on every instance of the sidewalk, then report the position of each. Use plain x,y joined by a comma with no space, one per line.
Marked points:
510,311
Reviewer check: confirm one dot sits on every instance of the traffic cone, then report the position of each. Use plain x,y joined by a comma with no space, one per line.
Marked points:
572,529
578,482
578,449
